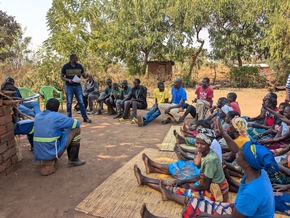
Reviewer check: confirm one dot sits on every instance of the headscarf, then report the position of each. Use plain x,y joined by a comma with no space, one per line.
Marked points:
205,134
260,157
240,125
226,109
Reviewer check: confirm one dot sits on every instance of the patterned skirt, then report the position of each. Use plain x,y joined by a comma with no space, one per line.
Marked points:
195,206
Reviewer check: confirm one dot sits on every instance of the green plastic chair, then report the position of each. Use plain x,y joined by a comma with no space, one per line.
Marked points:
48,92
25,92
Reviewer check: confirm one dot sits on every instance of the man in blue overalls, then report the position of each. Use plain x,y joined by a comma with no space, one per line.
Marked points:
53,133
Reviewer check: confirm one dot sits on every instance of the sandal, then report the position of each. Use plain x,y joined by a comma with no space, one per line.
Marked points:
168,120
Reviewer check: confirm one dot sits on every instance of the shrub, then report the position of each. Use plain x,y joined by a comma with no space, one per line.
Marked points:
246,77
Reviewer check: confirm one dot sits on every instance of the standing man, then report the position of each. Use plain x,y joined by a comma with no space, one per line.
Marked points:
71,74
171,110
204,98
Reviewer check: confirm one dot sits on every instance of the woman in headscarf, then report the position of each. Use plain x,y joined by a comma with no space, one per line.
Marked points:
255,197
211,185
238,129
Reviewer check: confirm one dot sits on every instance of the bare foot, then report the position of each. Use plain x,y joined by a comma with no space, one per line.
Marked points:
147,163
184,127
164,192
138,174
145,213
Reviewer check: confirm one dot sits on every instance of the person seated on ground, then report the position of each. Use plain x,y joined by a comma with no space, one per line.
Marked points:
222,115
171,110
188,154
161,95
104,95
216,109
238,129
23,124
269,121
136,99
26,107
282,138
190,109
255,196
91,93
211,179
261,117
204,98
232,97
274,130
53,134
115,95
190,140
126,90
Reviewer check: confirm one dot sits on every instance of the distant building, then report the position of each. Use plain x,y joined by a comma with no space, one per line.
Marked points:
264,69
161,69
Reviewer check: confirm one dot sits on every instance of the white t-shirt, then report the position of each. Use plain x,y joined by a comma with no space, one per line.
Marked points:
215,145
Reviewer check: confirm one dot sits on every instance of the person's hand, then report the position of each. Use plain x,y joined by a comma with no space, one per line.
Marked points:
70,81
177,183
167,110
194,100
279,188
218,127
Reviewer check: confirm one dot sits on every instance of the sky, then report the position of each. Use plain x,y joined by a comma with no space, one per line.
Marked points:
30,14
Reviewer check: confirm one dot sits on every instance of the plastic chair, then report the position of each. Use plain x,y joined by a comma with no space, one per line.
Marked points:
48,92
25,92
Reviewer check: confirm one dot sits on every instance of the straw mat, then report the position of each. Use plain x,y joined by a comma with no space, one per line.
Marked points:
169,140
120,196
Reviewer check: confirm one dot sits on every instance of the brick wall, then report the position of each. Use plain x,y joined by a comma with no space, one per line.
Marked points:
8,157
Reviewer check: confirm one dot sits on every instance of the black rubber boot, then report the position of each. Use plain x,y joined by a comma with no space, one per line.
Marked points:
74,156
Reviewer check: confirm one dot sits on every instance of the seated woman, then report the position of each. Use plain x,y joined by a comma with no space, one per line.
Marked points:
282,137
255,197
269,122
211,179
238,129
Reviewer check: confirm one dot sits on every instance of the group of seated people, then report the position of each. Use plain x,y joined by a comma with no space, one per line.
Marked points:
224,145
118,98
121,98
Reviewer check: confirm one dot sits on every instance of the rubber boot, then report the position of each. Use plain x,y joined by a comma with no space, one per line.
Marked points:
74,156
47,167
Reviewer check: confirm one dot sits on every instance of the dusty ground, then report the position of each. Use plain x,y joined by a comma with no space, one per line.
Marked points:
106,146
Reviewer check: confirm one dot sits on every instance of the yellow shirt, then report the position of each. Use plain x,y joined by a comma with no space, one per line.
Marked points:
241,140
161,96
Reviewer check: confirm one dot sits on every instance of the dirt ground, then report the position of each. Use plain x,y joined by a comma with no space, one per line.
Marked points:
106,145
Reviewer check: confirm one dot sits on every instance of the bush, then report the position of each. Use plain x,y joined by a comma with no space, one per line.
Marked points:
247,77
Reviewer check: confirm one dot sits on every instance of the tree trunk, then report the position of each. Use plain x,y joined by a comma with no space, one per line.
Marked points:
214,79
195,54
240,60
145,68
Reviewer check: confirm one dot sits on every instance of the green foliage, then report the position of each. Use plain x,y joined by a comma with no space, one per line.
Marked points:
9,32
246,77
234,29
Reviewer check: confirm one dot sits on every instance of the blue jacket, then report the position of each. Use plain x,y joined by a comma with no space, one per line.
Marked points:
50,134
